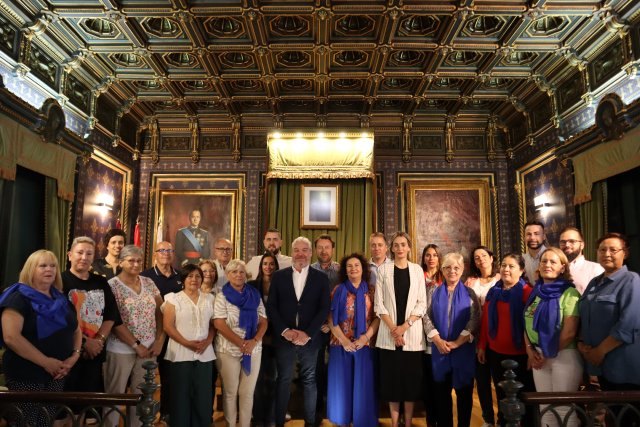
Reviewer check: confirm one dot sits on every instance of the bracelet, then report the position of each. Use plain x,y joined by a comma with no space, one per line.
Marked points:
77,350
367,337
101,337
135,344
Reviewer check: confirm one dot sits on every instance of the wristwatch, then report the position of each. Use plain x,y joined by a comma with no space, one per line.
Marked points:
410,322
135,344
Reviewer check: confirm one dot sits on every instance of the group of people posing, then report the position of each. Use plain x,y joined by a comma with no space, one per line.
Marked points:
394,331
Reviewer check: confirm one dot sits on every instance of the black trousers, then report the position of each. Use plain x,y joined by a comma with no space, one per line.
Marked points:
483,385
429,391
464,399
522,374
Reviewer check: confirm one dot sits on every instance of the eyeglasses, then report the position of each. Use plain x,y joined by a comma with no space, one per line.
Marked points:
452,268
569,241
165,251
223,249
612,251
133,261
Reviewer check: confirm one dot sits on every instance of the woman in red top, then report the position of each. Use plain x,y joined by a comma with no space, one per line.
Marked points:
502,326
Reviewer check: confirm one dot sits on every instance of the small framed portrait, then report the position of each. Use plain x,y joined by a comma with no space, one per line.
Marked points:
319,206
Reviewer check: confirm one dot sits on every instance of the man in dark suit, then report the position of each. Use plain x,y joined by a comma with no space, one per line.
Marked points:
297,307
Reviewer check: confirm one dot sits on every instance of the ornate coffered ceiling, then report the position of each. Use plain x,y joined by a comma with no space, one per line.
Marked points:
178,65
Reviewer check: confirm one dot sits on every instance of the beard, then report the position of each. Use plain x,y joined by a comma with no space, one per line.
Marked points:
533,244
274,251
572,255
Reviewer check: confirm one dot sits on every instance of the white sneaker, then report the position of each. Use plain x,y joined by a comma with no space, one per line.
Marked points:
485,424
287,417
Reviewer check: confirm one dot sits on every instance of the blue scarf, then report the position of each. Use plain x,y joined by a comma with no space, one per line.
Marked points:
460,362
247,301
51,312
512,296
339,305
546,318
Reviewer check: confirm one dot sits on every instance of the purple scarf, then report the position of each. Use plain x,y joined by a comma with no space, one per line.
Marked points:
247,301
51,312
460,362
546,318
339,305
512,296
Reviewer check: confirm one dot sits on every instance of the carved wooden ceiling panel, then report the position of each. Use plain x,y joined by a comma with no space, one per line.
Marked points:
429,60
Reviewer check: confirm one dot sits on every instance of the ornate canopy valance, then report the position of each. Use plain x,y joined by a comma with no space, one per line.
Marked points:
22,146
603,161
320,154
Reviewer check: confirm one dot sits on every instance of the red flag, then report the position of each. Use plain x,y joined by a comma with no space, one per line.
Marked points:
136,236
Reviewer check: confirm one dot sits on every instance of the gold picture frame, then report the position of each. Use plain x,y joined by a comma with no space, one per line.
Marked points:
220,200
453,212
541,196
106,199
320,206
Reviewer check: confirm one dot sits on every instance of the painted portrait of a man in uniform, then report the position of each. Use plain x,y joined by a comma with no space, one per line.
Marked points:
192,242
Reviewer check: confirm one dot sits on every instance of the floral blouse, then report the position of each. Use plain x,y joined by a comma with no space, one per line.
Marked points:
349,325
138,312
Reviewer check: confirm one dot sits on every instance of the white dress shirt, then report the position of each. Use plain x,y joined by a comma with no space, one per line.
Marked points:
531,264
299,280
582,271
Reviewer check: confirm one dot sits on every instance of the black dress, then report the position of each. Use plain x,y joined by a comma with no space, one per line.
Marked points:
400,371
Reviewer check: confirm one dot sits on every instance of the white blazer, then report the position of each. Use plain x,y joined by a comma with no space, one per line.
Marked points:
385,303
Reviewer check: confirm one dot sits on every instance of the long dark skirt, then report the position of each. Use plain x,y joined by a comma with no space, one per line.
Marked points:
400,375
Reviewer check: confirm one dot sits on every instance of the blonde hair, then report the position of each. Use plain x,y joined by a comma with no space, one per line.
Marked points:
566,275
234,265
82,239
396,235
31,264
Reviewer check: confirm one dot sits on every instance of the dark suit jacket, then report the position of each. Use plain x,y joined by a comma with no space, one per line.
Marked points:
283,307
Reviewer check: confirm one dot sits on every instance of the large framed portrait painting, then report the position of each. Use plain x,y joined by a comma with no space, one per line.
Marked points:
454,214
193,219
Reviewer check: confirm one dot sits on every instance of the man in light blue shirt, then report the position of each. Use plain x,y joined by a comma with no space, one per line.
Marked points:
379,249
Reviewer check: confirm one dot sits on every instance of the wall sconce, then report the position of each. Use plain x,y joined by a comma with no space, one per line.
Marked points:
105,203
542,203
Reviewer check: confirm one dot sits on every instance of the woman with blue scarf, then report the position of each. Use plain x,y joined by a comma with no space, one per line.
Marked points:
551,323
40,332
453,315
502,328
351,394
241,321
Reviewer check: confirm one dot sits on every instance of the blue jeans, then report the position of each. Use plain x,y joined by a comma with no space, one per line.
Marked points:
286,354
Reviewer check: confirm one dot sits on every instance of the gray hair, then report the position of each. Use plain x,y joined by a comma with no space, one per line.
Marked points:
452,258
130,250
301,239
83,239
234,265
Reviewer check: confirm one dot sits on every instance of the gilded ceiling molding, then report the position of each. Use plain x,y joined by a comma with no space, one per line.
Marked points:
491,138
612,22
155,140
449,137
235,139
407,124
587,97
195,144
